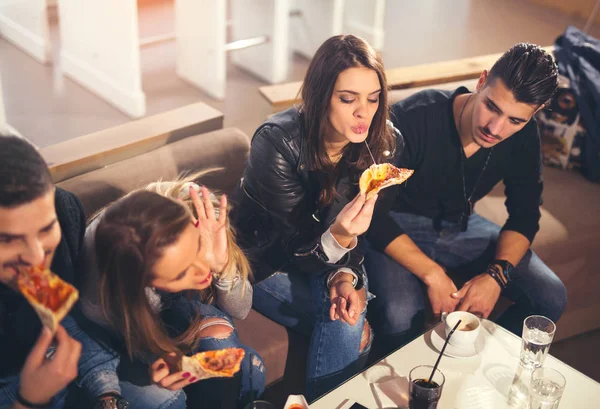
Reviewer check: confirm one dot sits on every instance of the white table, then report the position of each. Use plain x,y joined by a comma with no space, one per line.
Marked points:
482,381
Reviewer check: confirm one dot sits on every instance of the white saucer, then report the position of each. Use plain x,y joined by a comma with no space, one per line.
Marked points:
466,352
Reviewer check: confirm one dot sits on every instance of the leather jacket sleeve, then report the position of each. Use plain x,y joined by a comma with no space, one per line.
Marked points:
274,214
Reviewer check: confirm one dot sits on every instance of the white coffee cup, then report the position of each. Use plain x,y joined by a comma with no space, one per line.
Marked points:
466,333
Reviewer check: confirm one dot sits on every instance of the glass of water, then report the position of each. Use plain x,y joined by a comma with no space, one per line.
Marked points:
538,332
547,386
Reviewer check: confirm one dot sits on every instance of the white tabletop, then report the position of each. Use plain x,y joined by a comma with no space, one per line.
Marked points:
482,381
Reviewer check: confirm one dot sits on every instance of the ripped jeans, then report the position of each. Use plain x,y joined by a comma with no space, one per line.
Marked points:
134,380
177,314
301,302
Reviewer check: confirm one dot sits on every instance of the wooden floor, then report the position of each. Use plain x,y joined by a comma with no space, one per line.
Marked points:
47,108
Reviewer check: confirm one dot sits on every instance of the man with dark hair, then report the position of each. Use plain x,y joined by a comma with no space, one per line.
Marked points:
40,225
461,144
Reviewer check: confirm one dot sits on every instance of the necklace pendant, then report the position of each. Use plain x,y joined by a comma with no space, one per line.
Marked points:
470,207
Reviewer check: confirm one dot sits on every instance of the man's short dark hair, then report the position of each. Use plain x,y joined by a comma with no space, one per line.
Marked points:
529,72
24,175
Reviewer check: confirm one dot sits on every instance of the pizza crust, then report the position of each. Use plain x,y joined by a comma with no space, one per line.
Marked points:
202,364
378,177
50,318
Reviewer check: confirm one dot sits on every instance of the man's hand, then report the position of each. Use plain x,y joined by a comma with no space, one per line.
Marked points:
43,378
479,295
439,290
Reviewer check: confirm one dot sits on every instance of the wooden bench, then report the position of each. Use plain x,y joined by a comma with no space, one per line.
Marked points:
283,96
99,149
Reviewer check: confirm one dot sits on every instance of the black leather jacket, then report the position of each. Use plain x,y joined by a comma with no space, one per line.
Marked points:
276,206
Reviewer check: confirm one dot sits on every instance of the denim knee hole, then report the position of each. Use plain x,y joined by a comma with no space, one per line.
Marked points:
216,328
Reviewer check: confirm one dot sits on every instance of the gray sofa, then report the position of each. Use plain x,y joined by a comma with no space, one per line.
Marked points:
103,171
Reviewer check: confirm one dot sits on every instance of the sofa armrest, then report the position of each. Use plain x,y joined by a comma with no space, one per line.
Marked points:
99,149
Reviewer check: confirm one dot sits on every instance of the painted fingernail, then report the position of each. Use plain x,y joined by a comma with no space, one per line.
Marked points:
197,223
192,379
186,375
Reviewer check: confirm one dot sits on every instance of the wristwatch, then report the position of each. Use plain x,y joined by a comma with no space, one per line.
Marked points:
114,402
507,268
501,270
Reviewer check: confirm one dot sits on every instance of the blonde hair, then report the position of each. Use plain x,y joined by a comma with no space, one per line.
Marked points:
130,236
238,265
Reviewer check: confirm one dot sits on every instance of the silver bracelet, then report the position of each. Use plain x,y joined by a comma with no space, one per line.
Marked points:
332,276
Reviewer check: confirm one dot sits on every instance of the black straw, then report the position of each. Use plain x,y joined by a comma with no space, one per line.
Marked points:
442,351
252,397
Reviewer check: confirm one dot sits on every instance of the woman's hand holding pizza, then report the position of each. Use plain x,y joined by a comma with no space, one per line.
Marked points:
160,373
353,220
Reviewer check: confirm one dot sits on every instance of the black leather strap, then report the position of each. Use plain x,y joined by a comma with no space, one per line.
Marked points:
507,269
31,405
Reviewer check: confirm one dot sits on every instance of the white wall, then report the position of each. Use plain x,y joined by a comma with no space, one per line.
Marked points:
200,29
100,50
253,18
318,20
3,124
5,128
25,24
366,18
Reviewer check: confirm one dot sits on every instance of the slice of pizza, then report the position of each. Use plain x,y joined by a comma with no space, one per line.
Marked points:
213,364
378,177
50,296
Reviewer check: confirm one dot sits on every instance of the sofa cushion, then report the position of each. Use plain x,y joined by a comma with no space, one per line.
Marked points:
225,148
269,339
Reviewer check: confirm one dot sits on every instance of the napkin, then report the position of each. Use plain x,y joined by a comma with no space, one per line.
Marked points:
391,393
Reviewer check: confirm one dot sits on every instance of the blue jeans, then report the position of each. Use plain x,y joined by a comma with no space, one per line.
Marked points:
135,382
301,303
397,314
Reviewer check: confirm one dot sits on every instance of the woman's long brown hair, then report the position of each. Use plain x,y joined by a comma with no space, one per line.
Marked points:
130,237
335,55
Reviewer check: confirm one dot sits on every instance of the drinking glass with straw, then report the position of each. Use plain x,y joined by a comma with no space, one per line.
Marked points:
426,382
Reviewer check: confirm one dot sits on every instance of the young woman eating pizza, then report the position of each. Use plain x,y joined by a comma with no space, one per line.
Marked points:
165,276
299,213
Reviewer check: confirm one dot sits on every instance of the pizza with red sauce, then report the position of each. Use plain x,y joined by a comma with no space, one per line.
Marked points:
49,295
378,177
211,364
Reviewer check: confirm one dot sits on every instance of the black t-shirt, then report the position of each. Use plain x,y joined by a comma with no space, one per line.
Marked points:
19,324
432,148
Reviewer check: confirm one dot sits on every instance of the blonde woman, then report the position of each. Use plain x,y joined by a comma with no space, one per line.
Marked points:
166,276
